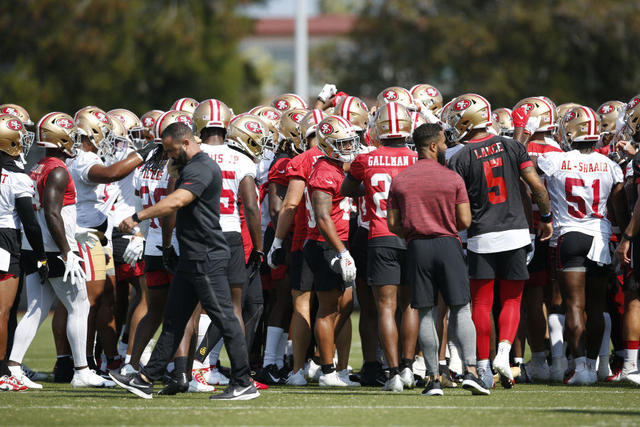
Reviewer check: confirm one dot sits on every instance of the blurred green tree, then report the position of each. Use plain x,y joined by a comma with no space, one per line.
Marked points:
585,51
137,54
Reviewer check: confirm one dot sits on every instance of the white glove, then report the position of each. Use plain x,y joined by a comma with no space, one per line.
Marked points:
347,266
72,268
328,90
532,125
134,250
531,253
277,244
86,236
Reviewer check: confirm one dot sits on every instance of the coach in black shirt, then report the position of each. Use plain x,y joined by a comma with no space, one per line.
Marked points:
201,274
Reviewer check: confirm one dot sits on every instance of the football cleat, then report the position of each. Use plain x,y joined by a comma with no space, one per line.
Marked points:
88,378
236,392
538,372
268,374
434,388
33,375
394,384
626,376
501,364
63,370
558,368
296,379
486,376
19,375
134,384
581,377
214,377
344,376
11,383
445,377
178,383
259,385
313,371
198,383
474,385
331,379
419,368
604,371
407,378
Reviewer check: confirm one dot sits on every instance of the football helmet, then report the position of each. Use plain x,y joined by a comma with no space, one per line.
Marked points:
188,105
502,121
308,126
397,94
148,120
543,108
14,139
247,133
290,126
466,113
337,139
289,101
562,109
170,117
95,124
428,96
211,113
120,136
132,124
608,114
417,119
58,130
354,110
393,120
632,120
271,117
579,124
18,111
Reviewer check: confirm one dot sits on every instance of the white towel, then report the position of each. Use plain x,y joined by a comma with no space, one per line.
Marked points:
599,251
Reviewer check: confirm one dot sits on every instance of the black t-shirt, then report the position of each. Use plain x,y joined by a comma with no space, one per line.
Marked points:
490,168
198,224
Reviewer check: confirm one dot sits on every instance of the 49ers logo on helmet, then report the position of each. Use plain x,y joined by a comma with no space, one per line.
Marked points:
527,107
253,127
101,116
272,115
633,103
431,91
282,105
148,122
10,110
297,117
463,104
326,128
14,124
606,109
184,119
64,123
390,95
495,117
570,116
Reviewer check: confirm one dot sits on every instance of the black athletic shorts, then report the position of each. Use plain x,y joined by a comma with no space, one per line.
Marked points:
237,268
437,265
386,264
119,246
29,263
507,265
573,248
252,290
10,239
300,275
319,255
358,245
540,257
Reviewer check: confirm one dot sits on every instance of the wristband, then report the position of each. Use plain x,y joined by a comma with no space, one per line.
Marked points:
136,218
545,218
136,229
625,236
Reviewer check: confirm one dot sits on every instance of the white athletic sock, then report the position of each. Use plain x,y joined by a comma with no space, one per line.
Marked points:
556,330
503,350
282,347
215,353
630,360
483,363
274,335
16,371
518,360
455,361
127,359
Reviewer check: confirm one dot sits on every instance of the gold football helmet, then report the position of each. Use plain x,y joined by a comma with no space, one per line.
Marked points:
247,133
542,107
354,110
271,116
337,139
58,130
608,114
170,117
14,139
18,111
290,126
211,113
632,120
417,119
95,124
132,124
397,94
308,126
188,105
428,96
466,113
289,101
393,120
120,135
579,124
502,121
562,109
148,120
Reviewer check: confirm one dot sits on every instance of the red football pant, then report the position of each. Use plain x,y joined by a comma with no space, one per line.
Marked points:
481,304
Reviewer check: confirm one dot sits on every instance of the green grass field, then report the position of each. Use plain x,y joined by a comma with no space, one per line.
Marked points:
526,404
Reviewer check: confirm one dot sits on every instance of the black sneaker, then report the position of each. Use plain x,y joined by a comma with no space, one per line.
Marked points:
474,385
372,375
434,388
133,383
445,377
63,370
236,392
268,374
179,383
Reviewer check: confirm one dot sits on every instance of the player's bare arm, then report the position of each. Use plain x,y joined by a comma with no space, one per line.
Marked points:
295,191
394,221
276,195
463,216
52,198
164,207
247,193
101,174
630,231
541,197
321,204
351,187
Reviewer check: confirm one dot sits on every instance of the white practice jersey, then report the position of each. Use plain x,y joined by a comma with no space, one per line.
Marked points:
152,187
90,196
13,185
125,202
235,166
579,186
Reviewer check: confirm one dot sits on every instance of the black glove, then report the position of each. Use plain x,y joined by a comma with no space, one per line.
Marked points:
146,149
256,258
169,258
43,270
279,256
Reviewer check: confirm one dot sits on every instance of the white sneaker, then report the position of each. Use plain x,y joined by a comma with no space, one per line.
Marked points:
33,375
19,375
313,371
419,368
331,380
407,378
198,384
538,372
344,376
297,378
582,377
394,384
633,378
214,377
128,369
486,376
604,371
501,364
146,354
558,368
88,378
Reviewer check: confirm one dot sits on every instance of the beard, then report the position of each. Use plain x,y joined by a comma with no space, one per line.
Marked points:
181,160
441,156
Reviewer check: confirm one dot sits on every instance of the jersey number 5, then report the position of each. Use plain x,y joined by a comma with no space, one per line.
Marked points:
497,195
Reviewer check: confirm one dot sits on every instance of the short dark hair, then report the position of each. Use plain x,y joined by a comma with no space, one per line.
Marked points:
425,134
178,131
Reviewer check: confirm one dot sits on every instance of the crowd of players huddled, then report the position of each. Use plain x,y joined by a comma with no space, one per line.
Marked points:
552,268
